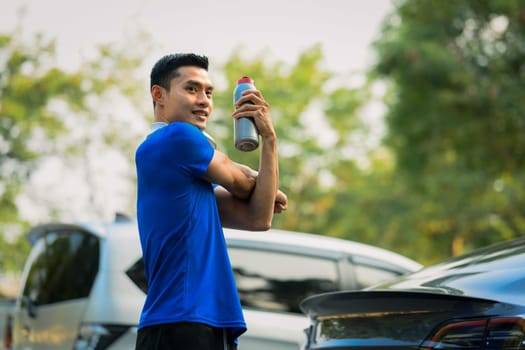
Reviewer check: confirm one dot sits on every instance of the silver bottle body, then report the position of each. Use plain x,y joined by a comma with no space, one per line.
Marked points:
246,136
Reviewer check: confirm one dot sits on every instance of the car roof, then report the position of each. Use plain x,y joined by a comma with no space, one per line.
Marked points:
309,242
299,242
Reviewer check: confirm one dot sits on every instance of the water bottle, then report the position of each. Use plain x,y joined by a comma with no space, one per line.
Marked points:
246,136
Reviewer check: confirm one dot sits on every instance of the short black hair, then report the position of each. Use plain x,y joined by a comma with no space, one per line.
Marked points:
167,67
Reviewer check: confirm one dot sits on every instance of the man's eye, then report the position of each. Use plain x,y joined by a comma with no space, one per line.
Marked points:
191,89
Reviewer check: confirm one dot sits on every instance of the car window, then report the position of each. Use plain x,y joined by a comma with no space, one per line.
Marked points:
276,281
63,266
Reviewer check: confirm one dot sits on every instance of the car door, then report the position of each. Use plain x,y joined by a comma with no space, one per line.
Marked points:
271,284
56,282
50,327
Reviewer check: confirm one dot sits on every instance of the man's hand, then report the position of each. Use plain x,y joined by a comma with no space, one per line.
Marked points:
258,109
281,202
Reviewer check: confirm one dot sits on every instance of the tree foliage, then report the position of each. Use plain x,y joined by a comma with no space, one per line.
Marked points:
456,115
49,113
27,84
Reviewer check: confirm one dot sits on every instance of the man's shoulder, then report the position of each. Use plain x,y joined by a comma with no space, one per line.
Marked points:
175,132
183,126
182,131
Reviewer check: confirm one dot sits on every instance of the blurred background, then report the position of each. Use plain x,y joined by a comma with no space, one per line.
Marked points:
400,123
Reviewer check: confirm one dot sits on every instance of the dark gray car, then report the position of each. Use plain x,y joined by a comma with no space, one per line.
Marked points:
476,301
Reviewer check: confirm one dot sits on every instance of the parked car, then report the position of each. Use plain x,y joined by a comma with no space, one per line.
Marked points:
475,301
83,286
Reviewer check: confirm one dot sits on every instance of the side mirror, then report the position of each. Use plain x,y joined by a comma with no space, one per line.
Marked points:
308,334
31,307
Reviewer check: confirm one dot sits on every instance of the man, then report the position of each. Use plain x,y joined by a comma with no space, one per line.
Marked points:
187,191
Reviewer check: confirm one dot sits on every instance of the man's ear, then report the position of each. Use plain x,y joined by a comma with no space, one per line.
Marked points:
157,94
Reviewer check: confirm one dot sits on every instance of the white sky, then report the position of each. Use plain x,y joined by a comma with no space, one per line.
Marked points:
279,29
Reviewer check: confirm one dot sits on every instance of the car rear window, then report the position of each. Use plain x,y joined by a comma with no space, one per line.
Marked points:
63,266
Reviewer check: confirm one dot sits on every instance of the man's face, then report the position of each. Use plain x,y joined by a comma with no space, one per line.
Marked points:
189,99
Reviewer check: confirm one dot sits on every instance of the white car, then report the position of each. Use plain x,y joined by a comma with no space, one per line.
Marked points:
83,285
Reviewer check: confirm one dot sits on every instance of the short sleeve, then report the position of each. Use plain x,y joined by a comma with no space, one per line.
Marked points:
190,148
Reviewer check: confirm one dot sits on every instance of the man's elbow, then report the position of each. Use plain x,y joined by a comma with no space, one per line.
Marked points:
260,225
243,189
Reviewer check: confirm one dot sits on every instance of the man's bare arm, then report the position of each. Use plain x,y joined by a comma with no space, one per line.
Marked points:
222,171
256,212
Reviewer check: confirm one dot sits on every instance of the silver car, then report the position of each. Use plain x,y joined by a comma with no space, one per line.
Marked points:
83,285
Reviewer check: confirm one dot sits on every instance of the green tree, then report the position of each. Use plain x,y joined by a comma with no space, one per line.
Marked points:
27,84
456,116
47,112
13,254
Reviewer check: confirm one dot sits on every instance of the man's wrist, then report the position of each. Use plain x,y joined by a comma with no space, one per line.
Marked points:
272,138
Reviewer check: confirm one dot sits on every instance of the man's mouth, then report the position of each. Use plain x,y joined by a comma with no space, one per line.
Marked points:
200,113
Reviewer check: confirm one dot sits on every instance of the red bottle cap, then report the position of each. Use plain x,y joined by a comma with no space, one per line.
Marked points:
245,80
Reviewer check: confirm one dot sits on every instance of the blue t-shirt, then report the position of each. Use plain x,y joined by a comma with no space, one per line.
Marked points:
187,265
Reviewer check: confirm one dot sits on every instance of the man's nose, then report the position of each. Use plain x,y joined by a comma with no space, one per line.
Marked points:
203,99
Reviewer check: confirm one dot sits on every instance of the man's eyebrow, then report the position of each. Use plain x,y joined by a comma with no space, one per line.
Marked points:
199,84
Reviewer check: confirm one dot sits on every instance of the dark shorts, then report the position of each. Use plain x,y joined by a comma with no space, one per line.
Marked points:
182,336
